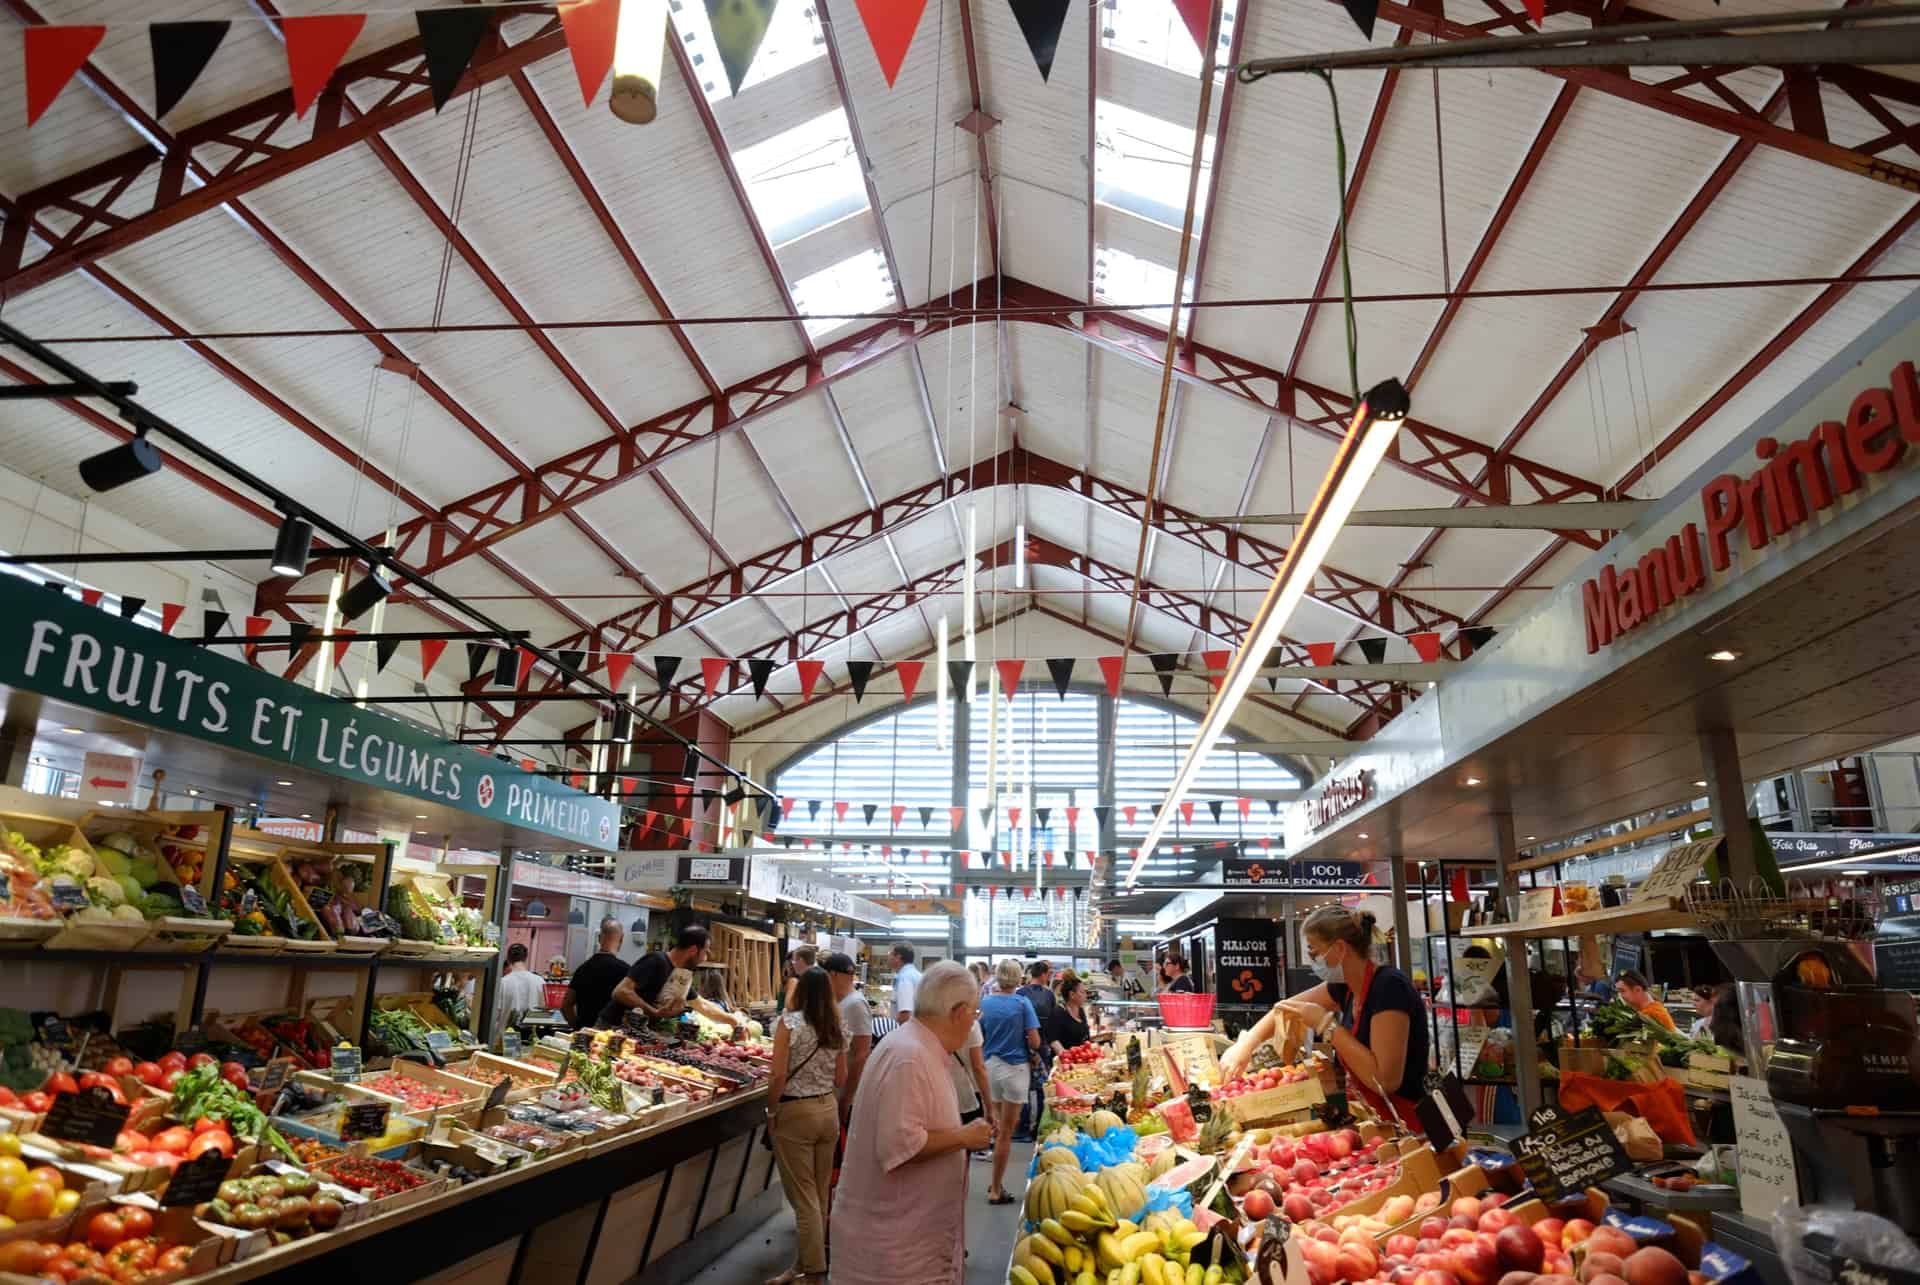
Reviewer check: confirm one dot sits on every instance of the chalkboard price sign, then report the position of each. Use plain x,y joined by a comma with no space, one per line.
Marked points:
364,1120
497,1095
345,1063
1564,1156
510,1044
196,1180
583,1041
90,1116
1133,1055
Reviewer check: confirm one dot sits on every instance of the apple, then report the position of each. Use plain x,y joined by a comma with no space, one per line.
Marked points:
1402,1246
1655,1266
1548,1230
1431,1228
1466,1207
1519,1249
1576,1231
1601,1263
1497,1219
1258,1204
1477,1262
1608,1240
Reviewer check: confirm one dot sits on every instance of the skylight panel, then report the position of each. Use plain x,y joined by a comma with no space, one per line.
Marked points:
803,179
1141,164
859,284
1153,31
793,39
1119,277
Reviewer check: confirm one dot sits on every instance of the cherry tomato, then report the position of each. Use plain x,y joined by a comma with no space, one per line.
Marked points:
119,1066
104,1231
211,1141
60,1082
137,1221
175,1061
199,1060
207,1124
148,1072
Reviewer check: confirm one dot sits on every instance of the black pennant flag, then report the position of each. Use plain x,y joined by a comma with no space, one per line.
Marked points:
961,673
1213,806
572,659
764,802
1273,663
858,672
1042,815
869,809
1102,813
1273,807
738,28
449,38
1363,13
926,818
298,631
181,51
383,649
214,621
813,809
1478,636
1040,22
707,797
664,667
1061,668
1374,649
759,670
477,654
58,588
130,607
1164,663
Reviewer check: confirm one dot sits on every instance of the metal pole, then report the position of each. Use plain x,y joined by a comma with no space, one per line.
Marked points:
1727,797
1526,1043
490,980
1402,932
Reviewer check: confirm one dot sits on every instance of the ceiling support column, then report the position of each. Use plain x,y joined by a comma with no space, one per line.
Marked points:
1402,932
1105,784
1727,798
1519,965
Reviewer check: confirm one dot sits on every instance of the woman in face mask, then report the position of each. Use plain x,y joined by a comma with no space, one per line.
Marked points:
1371,1015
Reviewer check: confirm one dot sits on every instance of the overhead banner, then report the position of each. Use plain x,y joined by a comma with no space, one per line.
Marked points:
69,651
769,879
1255,872
659,871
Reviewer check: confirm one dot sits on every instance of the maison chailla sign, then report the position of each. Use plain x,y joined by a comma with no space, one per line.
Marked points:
68,651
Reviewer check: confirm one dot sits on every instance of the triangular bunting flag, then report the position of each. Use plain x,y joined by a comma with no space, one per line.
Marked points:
786,807
1216,661
1009,674
1186,811
1006,859
340,645
1214,806
617,665
813,809
169,611
298,631
449,38
859,672
130,607
759,670
526,667
898,812
431,650
257,626
181,51
1040,22
839,810
664,668
1198,15
1043,816
55,587
1047,855
1374,649
926,818
1273,807
868,809
53,55
315,46
954,817
383,649
572,658
1013,817
1073,817
1321,653
738,28
1245,806
1061,668
590,26
890,26
712,669
1102,813
810,671
960,673
1114,668
91,596
1427,644
1164,663
1129,811
1478,636
479,656
909,671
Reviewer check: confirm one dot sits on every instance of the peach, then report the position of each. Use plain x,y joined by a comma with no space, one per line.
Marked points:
1402,1246
1517,1278
1466,1207
1519,1248
1599,1262
1608,1240
1655,1266
1548,1230
1576,1230
1497,1219
1427,1201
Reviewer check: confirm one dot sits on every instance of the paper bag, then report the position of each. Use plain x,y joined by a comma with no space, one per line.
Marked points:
1636,1136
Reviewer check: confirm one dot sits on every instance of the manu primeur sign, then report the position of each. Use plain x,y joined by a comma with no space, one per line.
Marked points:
1795,481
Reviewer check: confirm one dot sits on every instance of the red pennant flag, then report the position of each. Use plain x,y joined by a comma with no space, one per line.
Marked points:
1245,806
1321,653
899,811
686,826
574,780
1115,669
1186,811
1427,644
1198,15
711,667
54,54
529,765
1048,854
1128,811
1013,817
92,597
256,625
786,807
1216,660
886,849
992,892
1457,891
954,816
890,26
1027,891
315,46
169,611
341,644
590,27
617,663
1007,857
430,649
526,667
926,854
909,671
1073,817
809,675
806,843
839,810
1009,674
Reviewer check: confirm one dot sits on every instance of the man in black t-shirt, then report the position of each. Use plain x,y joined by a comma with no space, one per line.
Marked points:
593,982
1039,991
646,985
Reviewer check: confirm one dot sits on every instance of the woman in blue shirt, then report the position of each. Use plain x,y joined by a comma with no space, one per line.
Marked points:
1010,1030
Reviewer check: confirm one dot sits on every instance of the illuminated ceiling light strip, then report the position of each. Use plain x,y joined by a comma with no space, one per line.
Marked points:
1375,422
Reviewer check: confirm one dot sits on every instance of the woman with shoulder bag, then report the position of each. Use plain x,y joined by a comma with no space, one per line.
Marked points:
803,1116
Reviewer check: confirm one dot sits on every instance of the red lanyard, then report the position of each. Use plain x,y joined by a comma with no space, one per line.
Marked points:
1360,997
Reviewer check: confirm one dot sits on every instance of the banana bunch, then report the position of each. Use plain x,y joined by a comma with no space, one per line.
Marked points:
1086,1245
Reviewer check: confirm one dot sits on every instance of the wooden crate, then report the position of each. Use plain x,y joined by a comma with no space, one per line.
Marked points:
752,961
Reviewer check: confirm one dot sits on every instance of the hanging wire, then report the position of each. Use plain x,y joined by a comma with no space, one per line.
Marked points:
1346,268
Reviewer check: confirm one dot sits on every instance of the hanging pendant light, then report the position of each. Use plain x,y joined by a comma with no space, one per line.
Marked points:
638,50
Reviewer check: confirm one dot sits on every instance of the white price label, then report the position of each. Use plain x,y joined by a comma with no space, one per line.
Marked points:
1768,1176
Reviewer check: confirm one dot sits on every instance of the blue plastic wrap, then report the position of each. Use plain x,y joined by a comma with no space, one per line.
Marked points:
1179,1199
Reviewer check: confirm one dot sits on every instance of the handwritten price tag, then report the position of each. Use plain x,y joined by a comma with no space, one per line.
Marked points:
1768,1174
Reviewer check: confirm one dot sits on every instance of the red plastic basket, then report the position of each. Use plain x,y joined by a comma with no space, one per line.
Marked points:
556,994
1191,1011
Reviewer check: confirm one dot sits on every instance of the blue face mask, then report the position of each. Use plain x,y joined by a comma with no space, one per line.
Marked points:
1323,968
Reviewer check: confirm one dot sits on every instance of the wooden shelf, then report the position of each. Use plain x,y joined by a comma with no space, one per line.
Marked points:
1630,918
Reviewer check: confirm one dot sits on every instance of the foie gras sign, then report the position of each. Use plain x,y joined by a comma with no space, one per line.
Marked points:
1795,481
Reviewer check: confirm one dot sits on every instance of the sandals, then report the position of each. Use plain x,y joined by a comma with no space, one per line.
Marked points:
1004,1198
787,1277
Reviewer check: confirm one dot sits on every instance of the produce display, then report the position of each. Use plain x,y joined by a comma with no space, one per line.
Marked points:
425,914
31,1188
289,1205
117,1244
335,891
374,1178
415,1093
203,1093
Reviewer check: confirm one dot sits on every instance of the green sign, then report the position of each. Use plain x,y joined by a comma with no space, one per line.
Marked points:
69,651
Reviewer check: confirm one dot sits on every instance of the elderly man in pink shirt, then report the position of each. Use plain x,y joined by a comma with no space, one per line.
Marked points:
904,1176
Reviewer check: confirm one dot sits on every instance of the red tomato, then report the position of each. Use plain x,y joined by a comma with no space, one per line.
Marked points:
138,1221
211,1141
119,1066
166,1160
131,1259
174,1061
132,1140
8,1097
145,1159
237,1077
175,1140
171,1078
104,1231
207,1124
60,1082
27,1257
148,1072
89,1079
199,1060
36,1102
175,1259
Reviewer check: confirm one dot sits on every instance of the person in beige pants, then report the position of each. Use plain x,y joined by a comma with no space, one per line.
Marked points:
803,1115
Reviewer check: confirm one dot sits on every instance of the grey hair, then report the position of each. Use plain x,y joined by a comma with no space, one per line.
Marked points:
943,987
1008,974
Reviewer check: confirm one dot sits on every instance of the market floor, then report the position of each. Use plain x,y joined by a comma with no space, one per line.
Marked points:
991,1231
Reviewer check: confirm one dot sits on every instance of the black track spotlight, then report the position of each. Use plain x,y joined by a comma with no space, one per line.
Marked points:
370,589
128,462
691,768
292,547
623,724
